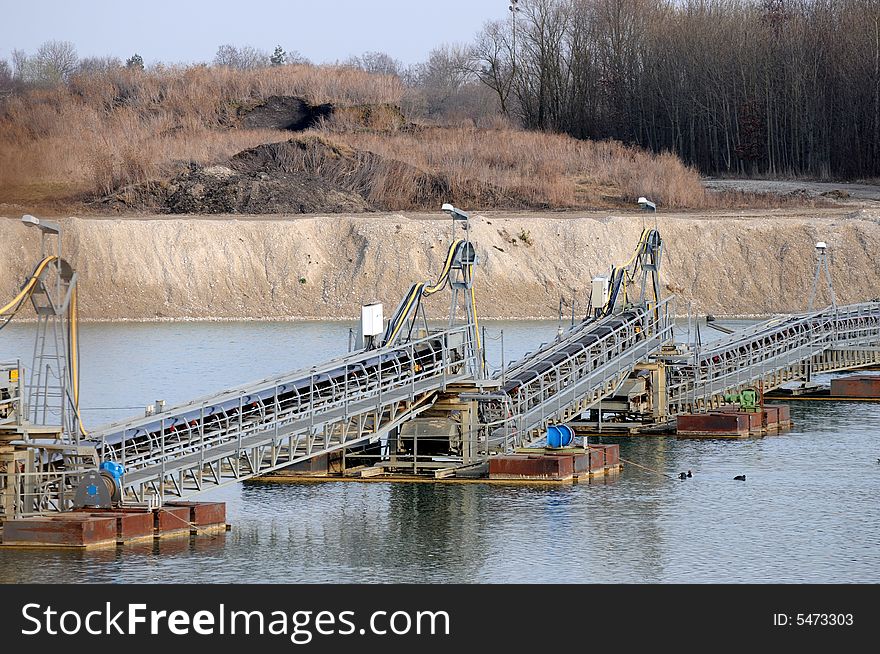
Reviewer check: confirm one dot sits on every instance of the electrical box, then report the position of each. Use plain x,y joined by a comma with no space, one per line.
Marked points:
372,321
599,293
10,393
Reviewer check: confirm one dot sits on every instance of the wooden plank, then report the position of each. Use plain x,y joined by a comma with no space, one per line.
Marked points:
372,471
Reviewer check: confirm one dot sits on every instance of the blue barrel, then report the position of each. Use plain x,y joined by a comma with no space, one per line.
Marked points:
559,436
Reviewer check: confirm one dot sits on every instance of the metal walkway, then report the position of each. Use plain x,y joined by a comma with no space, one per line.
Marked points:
775,351
567,377
278,422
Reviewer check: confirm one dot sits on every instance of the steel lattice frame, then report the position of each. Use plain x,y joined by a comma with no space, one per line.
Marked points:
776,351
571,380
275,423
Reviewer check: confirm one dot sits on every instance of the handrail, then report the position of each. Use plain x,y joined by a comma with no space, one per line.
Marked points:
774,345
272,382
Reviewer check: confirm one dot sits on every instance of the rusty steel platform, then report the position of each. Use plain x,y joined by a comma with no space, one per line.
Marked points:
727,423
559,465
91,528
856,386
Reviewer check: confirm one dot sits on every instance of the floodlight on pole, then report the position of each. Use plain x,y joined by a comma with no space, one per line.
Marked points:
514,10
822,265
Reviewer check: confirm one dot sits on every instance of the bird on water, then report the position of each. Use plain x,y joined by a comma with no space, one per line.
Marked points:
739,478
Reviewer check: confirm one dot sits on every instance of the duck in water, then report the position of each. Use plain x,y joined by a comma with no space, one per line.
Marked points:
739,478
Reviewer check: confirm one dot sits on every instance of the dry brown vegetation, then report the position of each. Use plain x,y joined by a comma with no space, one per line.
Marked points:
106,131
536,169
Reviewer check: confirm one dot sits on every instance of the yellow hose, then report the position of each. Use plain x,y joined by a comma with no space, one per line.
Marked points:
412,296
73,348
474,309
429,290
74,358
642,239
22,295
425,289
626,278
29,286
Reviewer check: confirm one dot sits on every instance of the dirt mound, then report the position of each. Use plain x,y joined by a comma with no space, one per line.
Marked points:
306,174
384,183
370,117
220,189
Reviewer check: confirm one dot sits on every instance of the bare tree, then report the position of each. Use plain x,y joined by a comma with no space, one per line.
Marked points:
296,58
55,62
91,65
491,59
445,87
380,63
446,68
21,65
7,83
241,57
441,78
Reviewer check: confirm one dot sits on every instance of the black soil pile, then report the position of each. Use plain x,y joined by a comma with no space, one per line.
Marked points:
306,174
283,112
220,189
294,114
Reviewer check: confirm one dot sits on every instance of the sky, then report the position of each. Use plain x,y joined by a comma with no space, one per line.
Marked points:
185,31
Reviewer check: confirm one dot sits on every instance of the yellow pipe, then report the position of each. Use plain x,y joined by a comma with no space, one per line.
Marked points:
427,290
412,296
446,267
626,279
642,239
474,309
73,335
74,358
28,287
73,348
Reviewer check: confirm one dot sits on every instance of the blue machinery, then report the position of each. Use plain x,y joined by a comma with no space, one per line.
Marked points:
419,400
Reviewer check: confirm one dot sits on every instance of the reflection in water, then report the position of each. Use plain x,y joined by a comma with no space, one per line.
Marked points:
808,512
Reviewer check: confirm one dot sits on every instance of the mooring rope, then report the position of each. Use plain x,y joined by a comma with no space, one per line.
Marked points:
638,465
186,522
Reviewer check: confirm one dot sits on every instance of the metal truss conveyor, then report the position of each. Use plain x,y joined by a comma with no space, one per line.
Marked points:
278,422
775,351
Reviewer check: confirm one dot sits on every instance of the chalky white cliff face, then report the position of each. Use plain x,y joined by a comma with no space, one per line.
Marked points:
727,263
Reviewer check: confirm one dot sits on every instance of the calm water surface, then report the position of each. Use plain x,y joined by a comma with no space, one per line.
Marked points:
808,511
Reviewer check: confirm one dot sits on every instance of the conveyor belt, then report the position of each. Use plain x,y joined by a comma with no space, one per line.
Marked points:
275,422
563,379
775,351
